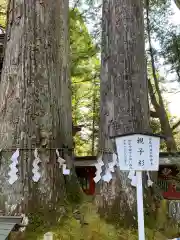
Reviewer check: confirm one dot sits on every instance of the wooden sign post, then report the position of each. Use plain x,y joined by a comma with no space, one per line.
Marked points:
138,152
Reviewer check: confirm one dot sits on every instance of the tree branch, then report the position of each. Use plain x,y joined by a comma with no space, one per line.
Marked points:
177,2
152,95
154,114
75,5
159,104
176,125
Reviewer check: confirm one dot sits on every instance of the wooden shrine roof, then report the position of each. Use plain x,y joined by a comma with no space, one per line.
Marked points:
7,224
166,158
2,38
85,161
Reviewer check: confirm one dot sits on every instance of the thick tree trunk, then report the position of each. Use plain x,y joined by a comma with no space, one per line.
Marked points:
35,101
124,94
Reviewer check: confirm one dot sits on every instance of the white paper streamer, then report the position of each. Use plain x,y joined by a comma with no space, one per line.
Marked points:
62,164
108,176
97,178
100,161
25,222
149,182
134,181
131,174
132,177
98,166
60,160
112,164
65,171
36,168
13,167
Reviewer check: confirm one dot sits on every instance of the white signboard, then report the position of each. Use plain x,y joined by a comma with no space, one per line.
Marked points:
138,152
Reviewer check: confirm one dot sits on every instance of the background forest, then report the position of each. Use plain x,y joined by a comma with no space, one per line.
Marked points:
162,53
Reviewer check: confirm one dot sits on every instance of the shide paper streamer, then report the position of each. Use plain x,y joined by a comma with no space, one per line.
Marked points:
62,164
36,174
132,177
98,169
36,168
149,182
13,168
110,168
60,160
112,164
108,176
65,170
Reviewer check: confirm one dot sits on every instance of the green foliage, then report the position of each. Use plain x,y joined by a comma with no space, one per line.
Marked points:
97,228
165,43
171,53
85,68
74,192
166,34
159,14
3,5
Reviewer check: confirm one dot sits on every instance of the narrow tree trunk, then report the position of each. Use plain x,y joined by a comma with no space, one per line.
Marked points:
35,102
124,95
93,119
177,2
159,105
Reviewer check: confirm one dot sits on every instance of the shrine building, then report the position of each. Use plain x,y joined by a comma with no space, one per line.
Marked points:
168,176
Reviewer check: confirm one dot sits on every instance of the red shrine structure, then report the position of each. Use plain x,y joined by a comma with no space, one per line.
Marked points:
169,181
167,178
85,170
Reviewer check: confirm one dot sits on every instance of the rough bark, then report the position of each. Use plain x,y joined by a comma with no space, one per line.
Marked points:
124,95
159,104
35,102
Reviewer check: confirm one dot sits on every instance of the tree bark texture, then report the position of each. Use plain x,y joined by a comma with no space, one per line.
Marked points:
124,94
35,100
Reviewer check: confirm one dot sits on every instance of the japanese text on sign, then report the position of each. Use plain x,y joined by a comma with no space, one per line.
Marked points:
138,152
130,153
150,151
125,152
140,141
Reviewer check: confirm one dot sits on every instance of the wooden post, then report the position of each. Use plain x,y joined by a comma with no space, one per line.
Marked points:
48,236
91,182
140,208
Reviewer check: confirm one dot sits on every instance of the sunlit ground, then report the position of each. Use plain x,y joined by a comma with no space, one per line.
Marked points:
96,229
